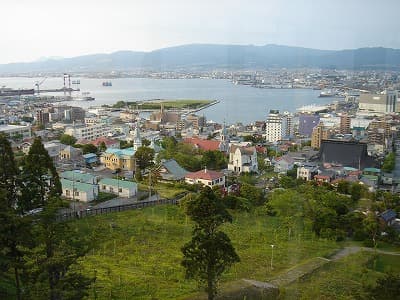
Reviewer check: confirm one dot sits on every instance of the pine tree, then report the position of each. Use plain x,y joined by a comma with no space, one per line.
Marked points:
39,178
210,252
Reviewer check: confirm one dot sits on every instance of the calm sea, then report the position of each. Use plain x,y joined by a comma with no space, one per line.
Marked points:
238,103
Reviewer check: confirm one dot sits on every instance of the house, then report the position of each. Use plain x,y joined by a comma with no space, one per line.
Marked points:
79,176
171,170
109,143
122,159
52,147
91,159
208,145
283,164
320,179
70,153
307,172
242,159
122,188
387,218
80,191
206,177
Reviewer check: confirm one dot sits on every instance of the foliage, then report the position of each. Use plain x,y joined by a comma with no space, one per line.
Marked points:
125,144
210,251
144,157
89,148
67,139
214,160
389,162
252,194
387,287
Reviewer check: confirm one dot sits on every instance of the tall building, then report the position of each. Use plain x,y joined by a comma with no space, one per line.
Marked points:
307,122
345,122
287,125
197,121
274,127
42,117
319,133
378,103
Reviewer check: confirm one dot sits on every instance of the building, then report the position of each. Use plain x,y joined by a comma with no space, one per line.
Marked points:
378,103
74,114
16,131
307,172
319,133
79,176
171,171
206,177
196,121
204,144
242,159
109,143
42,117
274,127
283,164
122,159
122,188
70,153
79,191
345,153
345,123
88,132
287,125
307,122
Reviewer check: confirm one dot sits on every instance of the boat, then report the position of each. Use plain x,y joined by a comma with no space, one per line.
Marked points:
327,93
107,83
13,92
84,97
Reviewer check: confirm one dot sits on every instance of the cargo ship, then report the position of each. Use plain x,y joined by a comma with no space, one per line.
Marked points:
107,83
13,92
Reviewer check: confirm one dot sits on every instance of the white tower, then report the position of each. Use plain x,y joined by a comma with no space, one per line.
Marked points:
137,141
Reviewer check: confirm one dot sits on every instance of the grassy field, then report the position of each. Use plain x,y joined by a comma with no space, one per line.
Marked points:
136,254
170,104
343,279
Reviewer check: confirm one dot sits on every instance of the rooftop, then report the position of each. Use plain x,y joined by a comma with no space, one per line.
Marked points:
118,183
79,186
205,174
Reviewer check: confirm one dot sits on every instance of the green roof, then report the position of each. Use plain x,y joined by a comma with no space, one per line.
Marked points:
78,186
372,170
78,176
121,183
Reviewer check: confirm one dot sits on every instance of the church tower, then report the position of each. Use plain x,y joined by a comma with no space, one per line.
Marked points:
137,141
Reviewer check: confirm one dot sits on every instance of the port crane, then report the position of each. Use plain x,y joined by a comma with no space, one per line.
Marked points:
38,84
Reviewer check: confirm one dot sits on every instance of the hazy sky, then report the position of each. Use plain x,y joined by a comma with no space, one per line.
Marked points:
32,29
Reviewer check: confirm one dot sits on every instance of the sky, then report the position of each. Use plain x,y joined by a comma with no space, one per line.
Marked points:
32,30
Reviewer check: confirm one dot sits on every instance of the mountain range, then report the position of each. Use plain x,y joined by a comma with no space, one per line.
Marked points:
205,57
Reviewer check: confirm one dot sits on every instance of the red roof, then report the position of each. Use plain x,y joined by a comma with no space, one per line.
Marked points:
107,142
203,144
205,175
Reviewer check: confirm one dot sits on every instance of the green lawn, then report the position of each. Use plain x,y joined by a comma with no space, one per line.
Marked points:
169,104
136,254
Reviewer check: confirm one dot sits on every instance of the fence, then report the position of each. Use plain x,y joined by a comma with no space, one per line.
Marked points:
99,211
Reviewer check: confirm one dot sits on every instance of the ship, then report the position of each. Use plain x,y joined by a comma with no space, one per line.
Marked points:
85,97
107,83
327,93
13,92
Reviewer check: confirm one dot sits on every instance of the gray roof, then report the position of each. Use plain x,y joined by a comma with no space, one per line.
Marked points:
175,171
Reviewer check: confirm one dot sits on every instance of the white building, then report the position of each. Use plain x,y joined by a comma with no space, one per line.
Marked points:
88,132
16,130
278,126
378,103
242,159
122,188
80,191
306,172
206,177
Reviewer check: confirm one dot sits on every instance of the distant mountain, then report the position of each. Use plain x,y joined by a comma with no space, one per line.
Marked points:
210,56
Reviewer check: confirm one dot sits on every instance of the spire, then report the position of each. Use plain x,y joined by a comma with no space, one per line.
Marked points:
137,141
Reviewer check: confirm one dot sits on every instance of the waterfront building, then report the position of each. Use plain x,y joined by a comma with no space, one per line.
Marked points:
378,103
307,122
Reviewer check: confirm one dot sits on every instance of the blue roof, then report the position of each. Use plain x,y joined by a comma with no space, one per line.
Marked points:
89,155
388,215
118,152
176,172
372,170
118,183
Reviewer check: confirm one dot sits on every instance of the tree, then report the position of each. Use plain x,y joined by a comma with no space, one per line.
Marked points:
210,251
89,148
67,139
214,159
102,147
387,287
14,230
39,178
144,157
52,263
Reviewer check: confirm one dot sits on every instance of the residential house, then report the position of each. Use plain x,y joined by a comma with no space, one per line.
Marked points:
91,159
172,171
122,188
387,218
307,172
283,164
206,177
80,191
242,159
70,153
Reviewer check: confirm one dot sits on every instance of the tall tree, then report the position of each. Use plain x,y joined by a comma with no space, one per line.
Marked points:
144,157
210,251
67,139
52,264
39,178
14,230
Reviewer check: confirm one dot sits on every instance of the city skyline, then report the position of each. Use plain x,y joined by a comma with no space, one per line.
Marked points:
41,29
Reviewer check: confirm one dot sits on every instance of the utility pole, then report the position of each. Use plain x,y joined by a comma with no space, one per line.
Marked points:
272,255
